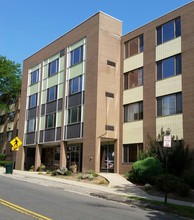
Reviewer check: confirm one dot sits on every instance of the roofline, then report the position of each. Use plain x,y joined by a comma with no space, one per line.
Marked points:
99,12
185,5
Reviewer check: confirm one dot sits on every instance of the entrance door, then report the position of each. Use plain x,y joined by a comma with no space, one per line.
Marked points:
107,158
74,155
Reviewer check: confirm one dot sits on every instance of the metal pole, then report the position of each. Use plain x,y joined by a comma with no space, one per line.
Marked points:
166,178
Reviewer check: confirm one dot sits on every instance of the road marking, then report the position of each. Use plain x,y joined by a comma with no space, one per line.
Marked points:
23,210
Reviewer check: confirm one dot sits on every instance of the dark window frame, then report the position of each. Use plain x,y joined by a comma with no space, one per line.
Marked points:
52,117
34,125
53,67
73,56
176,31
52,97
162,101
134,46
129,83
130,152
33,104
137,116
175,68
76,114
34,76
79,85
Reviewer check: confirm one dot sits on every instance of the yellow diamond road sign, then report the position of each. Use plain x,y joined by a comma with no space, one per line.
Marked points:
16,143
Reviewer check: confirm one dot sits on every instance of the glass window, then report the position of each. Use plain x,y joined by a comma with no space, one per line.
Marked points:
133,78
34,76
169,31
11,116
33,101
75,85
169,105
50,120
169,67
31,125
76,56
130,152
133,112
9,135
52,94
53,67
74,115
134,46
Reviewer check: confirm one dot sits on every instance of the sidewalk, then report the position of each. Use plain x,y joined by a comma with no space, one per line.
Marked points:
118,189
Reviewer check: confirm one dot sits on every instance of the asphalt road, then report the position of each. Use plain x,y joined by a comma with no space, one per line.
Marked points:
45,203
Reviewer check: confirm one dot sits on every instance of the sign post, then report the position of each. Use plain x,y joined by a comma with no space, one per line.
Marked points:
16,143
167,141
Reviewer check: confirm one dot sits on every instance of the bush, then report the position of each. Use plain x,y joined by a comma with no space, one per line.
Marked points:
92,172
61,171
3,163
145,170
174,184
2,157
189,179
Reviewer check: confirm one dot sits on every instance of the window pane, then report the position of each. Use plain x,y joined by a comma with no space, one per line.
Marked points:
127,49
126,81
159,35
179,103
178,27
159,70
34,76
53,67
76,55
168,67
134,112
168,31
159,107
52,93
31,125
140,110
33,101
169,105
74,115
50,120
134,46
141,44
178,64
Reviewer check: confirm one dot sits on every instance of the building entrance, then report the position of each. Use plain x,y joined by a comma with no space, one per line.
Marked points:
74,155
107,158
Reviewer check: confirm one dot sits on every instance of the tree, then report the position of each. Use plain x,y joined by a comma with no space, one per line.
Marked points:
10,81
179,156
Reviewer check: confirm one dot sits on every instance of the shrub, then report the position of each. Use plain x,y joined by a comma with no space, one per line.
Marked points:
2,157
189,179
3,163
61,171
179,157
173,184
145,170
92,172
41,168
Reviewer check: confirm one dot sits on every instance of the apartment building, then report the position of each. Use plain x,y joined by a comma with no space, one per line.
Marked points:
92,96
158,77
9,124
71,99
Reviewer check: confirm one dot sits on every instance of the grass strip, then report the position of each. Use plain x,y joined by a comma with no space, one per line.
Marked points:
180,210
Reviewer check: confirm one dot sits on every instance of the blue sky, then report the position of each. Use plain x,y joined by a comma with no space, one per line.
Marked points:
26,26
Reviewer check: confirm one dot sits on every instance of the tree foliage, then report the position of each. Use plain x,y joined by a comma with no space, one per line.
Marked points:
179,157
10,81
